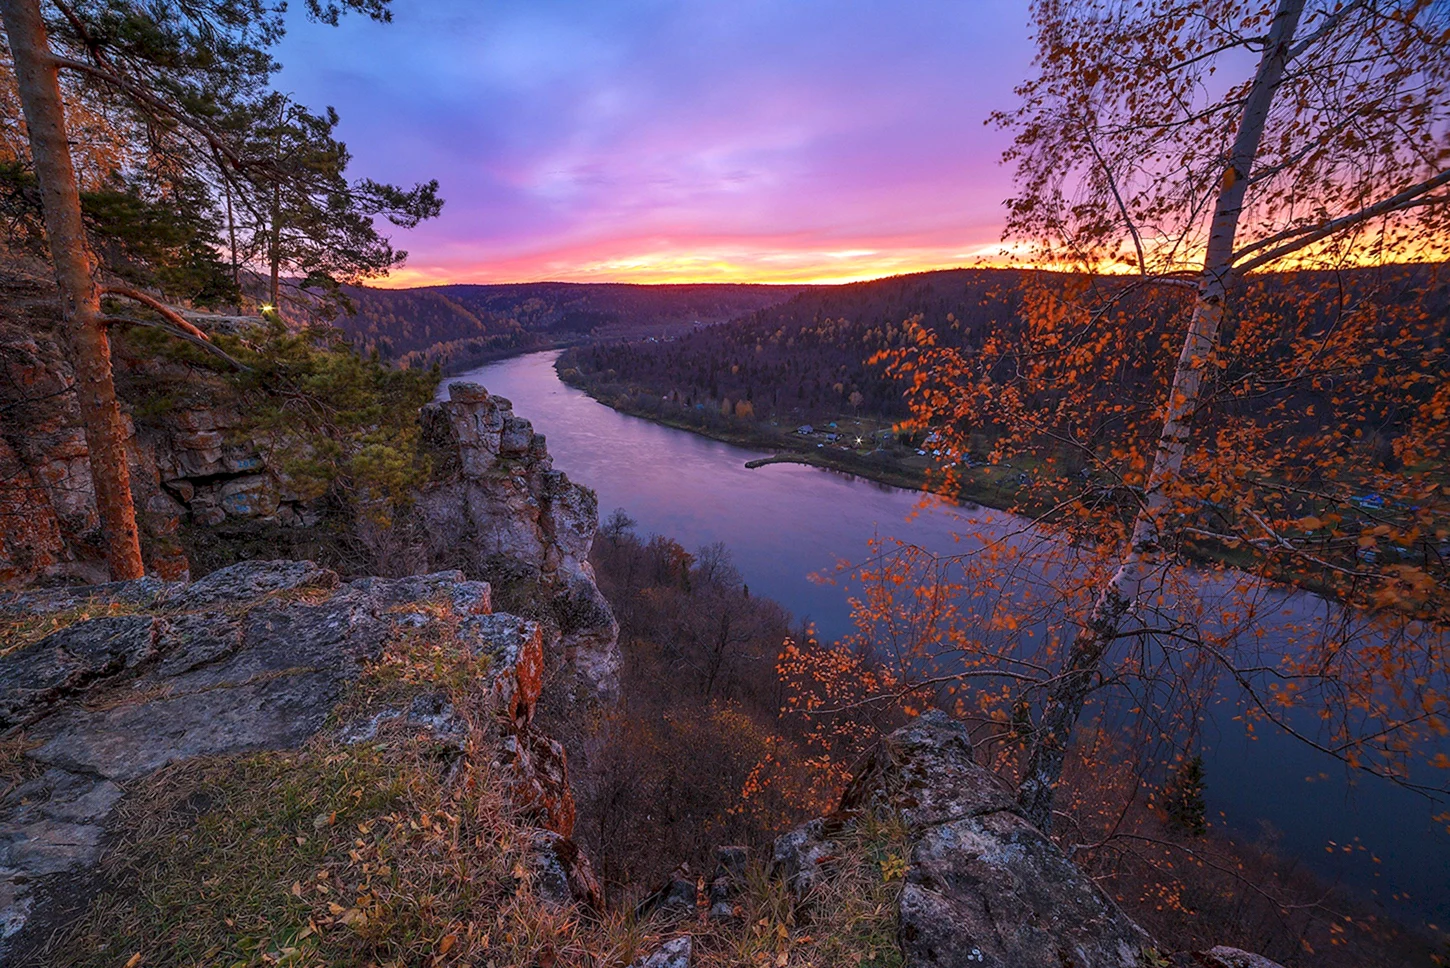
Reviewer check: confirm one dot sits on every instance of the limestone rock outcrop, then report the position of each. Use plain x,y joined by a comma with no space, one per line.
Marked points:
254,657
498,509
984,888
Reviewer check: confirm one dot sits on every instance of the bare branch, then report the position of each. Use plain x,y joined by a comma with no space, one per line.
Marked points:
1411,197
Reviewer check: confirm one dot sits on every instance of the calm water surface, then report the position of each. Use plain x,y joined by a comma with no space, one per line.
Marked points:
785,522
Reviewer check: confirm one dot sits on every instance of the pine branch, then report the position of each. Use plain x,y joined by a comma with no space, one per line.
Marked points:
179,333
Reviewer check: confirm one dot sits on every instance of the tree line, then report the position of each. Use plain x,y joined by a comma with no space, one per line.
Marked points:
820,354
463,325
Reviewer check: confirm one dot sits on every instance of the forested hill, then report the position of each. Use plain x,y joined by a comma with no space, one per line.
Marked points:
806,358
460,326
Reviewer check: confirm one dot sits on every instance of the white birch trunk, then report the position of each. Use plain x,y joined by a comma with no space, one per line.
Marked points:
1065,701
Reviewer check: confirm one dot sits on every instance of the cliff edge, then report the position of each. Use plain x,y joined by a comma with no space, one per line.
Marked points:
153,726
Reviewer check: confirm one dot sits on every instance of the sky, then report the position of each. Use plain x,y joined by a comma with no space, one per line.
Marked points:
678,140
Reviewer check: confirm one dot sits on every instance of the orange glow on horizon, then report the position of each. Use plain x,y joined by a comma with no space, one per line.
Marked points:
728,262
735,261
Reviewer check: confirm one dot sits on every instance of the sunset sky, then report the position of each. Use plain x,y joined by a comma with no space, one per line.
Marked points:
679,140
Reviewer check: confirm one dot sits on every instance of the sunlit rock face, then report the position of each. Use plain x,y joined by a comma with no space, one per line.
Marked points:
499,511
257,656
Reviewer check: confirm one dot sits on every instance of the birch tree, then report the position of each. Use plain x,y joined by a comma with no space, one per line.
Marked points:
1181,169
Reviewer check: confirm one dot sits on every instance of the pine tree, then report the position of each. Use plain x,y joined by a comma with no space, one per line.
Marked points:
189,79
1183,798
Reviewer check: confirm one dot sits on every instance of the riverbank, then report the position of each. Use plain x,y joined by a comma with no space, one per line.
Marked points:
1004,487
989,486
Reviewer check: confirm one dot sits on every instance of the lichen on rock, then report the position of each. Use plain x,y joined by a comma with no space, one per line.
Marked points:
257,657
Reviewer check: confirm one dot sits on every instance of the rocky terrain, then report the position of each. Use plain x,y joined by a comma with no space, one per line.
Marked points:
494,506
109,692
140,677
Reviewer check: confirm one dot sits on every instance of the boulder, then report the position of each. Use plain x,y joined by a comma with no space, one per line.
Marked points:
984,888
675,953
802,856
674,899
1225,957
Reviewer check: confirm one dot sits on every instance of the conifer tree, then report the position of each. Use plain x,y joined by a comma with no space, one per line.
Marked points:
191,76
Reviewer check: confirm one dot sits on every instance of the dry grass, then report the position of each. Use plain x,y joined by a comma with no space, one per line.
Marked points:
402,852
396,852
20,631
405,850
849,920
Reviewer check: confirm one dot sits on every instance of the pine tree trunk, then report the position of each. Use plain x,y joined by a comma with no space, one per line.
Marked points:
232,236
1065,701
75,273
275,243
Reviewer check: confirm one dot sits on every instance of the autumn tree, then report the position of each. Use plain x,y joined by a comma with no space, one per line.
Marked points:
180,75
1226,202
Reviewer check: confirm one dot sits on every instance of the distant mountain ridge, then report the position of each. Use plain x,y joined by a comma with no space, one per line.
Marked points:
464,325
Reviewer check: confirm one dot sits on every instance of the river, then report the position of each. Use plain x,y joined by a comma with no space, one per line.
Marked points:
785,522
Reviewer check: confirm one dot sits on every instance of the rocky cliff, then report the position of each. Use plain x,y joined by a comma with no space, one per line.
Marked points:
108,691
493,507
925,863
496,508
191,460
48,522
